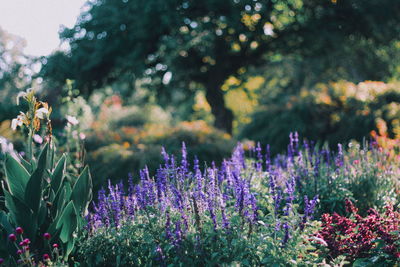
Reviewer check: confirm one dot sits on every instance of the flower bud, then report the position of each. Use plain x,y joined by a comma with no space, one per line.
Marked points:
47,236
12,237
19,230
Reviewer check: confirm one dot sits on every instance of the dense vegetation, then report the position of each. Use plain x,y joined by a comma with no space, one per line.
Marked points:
218,133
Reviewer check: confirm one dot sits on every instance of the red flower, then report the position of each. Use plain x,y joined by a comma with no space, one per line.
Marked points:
47,236
12,237
19,230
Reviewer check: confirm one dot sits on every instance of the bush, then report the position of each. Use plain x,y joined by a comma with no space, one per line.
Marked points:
364,241
136,148
335,113
184,216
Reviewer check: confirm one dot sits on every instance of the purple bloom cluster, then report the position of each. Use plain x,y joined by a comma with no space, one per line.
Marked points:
215,195
183,196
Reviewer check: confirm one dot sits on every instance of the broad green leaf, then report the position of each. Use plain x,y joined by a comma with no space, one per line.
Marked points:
5,223
26,165
82,191
16,176
33,192
21,215
69,248
42,213
58,174
67,222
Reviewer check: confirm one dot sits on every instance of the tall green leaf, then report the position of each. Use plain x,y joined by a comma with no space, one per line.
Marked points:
21,214
67,222
33,192
58,174
16,176
82,191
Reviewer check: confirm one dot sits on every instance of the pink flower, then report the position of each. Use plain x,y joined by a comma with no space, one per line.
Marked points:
19,230
12,237
47,236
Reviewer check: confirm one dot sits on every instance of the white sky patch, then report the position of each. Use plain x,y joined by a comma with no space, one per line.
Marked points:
38,21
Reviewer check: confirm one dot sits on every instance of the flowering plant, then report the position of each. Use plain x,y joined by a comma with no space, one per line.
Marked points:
373,238
185,215
38,195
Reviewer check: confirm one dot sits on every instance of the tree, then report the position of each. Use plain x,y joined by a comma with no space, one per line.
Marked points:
186,45
15,72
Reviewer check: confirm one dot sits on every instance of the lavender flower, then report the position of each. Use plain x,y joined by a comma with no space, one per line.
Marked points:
286,227
259,158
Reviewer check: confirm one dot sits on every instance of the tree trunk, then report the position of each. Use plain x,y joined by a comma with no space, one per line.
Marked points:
223,115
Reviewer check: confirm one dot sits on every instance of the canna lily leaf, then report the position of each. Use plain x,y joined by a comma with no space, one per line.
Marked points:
33,192
58,174
82,193
21,214
67,222
17,177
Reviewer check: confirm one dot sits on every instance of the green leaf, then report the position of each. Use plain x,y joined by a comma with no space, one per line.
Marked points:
82,191
5,223
58,174
16,176
33,192
69,248
67,222
42,213
26,165
59,202
21,215
361,262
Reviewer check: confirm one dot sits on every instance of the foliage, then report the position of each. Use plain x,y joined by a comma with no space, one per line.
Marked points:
183,46
184,216
28,258
130,148
335,113
364,174
365,241
40,196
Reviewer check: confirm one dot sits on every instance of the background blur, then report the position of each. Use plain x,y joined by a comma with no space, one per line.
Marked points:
142,74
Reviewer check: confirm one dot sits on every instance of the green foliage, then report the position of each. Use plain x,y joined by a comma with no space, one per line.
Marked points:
143,239
333,113
182,46
39,199
129,149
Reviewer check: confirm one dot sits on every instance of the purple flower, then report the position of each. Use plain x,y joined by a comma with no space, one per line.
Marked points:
259,158
184,162
339,156
168,226
286,228
268,158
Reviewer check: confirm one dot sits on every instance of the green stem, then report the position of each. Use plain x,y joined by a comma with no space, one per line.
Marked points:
30,147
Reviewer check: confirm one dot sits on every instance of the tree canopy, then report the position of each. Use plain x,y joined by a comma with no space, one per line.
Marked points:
185,45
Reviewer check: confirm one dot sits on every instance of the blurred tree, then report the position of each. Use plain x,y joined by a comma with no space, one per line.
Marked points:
15,72
192,45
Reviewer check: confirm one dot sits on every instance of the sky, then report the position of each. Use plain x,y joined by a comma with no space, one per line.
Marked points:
38,21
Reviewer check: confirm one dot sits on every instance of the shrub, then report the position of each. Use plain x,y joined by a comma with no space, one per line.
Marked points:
135,148
335,113
185,216
366,241
41,199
